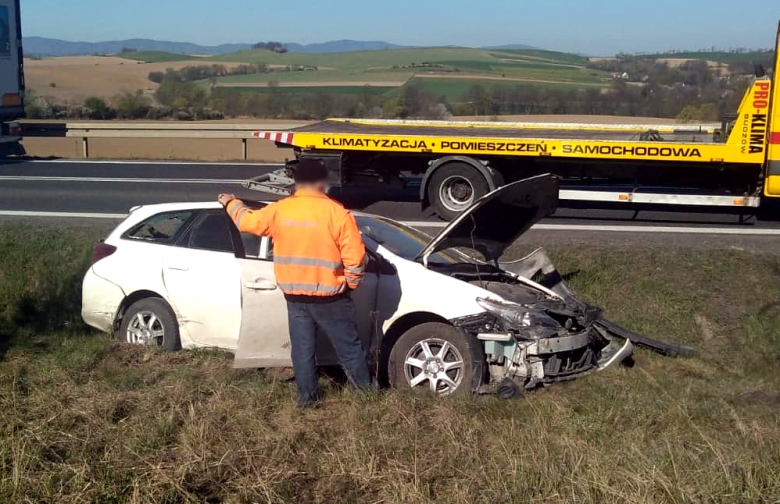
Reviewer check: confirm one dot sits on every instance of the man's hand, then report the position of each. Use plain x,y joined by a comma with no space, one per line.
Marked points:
224,199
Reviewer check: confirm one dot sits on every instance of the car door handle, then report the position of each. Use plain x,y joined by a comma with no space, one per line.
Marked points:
178,267
261,285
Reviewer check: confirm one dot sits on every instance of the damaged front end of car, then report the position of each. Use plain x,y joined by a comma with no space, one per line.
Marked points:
537,332
533,329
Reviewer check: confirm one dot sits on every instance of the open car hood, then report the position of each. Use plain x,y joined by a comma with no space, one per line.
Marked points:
492,223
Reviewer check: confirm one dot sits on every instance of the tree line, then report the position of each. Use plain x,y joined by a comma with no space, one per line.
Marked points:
276,47
201,72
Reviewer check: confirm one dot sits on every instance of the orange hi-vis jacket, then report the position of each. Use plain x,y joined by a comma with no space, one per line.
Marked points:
318,250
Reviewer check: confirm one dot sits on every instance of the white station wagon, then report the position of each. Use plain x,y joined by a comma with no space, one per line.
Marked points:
432,314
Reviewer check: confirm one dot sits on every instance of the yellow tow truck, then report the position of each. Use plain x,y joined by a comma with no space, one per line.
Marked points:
732,164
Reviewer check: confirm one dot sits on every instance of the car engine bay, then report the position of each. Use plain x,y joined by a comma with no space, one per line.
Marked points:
530,337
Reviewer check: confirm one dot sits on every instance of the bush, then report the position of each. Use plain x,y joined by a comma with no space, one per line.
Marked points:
156,113
276,47
703,112
132,105
37,107
156,77
207,114
97,108
180,95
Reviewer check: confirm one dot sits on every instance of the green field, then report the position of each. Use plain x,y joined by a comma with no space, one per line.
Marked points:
363,60
307,90
158,57
452,89
324,76
85,419
398,65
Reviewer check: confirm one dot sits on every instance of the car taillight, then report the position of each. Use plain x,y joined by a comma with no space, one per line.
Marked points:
101,251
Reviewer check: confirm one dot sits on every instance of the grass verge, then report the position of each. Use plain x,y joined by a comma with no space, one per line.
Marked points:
85,419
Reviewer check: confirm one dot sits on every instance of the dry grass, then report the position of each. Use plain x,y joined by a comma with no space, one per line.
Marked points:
85,419
79,77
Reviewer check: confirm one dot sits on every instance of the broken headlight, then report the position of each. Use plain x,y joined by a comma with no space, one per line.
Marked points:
529,323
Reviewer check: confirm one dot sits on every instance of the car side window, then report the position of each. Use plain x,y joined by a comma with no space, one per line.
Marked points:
211,232
161,228
252,245
257,247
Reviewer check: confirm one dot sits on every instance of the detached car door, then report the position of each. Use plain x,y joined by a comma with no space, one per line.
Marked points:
202,277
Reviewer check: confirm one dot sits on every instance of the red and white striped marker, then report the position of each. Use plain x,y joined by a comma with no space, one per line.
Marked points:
281,137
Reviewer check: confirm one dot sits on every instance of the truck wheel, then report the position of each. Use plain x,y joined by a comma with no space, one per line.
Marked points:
454,187
436,358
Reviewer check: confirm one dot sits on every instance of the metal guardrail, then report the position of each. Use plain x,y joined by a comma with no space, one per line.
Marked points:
199,130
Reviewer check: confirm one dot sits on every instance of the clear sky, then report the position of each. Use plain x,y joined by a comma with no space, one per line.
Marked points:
596,27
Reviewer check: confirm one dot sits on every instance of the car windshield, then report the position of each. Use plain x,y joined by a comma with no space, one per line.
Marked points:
405,241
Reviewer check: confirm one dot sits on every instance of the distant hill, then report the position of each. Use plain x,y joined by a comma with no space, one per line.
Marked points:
41,46
339,46
511,47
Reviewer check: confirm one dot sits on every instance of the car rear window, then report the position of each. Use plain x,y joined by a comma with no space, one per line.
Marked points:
160,228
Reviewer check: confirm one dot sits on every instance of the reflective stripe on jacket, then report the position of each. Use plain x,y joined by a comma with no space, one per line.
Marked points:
318,250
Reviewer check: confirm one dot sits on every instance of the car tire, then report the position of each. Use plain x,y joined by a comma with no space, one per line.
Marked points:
150,321
436,358
454,187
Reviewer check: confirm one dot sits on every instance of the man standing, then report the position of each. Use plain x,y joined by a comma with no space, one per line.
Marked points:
319,258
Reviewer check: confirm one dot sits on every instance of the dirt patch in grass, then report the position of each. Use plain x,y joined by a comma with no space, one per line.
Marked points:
86,419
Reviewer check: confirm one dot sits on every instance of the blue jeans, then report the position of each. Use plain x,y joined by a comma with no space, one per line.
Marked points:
337,321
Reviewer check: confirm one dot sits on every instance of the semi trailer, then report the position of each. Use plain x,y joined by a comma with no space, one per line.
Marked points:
11,78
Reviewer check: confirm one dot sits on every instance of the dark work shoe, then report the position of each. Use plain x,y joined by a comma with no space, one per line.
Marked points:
308,405
307,401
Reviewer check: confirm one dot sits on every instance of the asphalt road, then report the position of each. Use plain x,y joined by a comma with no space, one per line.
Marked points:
30,188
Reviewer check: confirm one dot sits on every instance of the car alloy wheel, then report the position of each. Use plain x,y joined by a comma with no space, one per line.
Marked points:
435,364
150,321
145,328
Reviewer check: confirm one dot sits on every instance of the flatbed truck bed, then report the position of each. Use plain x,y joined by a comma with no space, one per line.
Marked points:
501,130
